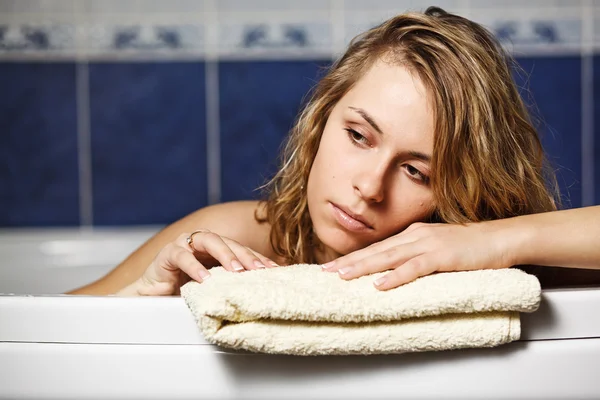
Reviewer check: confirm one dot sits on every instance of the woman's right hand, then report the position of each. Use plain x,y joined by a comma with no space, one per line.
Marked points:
186,259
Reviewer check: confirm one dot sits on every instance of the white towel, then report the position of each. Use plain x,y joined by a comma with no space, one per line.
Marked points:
302,310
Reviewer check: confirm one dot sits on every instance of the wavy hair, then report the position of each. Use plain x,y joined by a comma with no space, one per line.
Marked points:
487,162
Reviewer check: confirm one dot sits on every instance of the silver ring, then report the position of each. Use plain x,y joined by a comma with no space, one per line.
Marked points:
190,239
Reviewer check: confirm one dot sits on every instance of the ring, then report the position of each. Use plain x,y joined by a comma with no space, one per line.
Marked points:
190,239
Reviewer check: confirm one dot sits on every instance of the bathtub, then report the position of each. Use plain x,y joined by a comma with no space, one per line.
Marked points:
84,347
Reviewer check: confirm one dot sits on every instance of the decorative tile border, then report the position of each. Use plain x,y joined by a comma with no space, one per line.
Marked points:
230,29
144,38
268,38
40,37
535,34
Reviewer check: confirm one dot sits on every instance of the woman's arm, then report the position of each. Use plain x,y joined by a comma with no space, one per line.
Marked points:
567,238
233,220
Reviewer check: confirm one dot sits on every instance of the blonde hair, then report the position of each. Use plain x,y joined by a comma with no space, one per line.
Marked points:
487,162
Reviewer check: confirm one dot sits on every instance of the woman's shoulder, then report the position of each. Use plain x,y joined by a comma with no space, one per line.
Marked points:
236,220
221,216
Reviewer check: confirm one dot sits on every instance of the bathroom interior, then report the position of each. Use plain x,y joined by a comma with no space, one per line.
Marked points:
118,118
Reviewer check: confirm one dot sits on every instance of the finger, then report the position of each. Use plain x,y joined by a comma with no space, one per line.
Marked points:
212,244
382,261
265,260
186,262
249,258
351,258
384,246
409,271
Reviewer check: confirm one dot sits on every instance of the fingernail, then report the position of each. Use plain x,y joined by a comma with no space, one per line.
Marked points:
236,265
380,281
258,264
273,263
345,270
328,265
204,275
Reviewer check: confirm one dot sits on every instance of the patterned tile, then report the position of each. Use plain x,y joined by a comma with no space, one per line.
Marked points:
555,86
258,104
38,145
22,37
148,141
532,30
267,29
272,38
121,39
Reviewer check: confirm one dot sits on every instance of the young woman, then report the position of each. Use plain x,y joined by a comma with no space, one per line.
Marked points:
415,154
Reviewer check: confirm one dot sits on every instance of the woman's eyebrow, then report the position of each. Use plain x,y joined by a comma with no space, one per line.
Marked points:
420,156
415,154
367,118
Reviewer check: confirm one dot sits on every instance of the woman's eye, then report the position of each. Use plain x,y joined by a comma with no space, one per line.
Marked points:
416,174
356,137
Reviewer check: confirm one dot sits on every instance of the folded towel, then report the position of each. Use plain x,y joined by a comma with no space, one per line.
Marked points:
302,310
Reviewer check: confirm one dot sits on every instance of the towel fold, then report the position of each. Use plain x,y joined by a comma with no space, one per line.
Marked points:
302,310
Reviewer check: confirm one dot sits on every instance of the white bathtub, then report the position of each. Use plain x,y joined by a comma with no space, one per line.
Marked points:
57,346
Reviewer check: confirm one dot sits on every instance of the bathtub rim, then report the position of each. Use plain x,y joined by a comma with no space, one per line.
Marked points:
563,314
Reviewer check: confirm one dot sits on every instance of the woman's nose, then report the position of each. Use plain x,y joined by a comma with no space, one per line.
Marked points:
369,185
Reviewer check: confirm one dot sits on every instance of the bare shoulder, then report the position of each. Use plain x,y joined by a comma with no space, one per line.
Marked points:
234,220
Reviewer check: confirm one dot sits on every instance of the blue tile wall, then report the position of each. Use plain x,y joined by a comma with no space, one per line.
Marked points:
38,145
142,105
148,129
554,85
259,102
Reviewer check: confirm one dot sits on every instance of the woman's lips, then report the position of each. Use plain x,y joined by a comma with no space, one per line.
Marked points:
348,222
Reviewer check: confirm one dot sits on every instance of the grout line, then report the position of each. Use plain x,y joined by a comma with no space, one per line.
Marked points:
84,149
211,75
587,105
84,145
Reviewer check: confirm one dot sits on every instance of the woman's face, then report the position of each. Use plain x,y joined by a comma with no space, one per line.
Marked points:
370,177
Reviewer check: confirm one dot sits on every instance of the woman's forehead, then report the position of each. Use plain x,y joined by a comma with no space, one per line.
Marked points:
392,98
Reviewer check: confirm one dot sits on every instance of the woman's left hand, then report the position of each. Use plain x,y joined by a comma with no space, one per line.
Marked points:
423,249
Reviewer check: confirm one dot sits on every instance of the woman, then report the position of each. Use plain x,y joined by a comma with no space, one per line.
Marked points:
415,154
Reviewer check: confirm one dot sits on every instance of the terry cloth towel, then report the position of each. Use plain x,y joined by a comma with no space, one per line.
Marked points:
302,310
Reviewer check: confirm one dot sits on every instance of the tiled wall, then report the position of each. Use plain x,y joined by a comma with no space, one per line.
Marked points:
124,112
